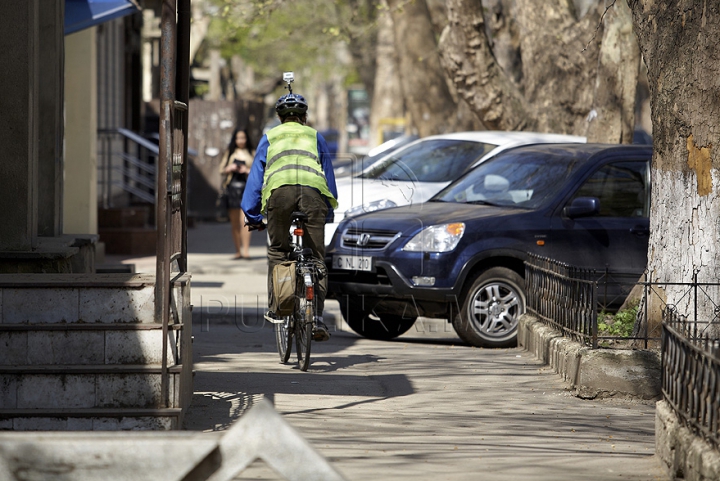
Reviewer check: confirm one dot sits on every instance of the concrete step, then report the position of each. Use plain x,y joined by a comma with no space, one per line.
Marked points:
137,216
136,241
79,298
92,419
87,344
87,387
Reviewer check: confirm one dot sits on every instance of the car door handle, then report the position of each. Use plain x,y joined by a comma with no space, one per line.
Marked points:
640,230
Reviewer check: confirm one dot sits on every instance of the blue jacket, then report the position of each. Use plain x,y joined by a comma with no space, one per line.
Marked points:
252,197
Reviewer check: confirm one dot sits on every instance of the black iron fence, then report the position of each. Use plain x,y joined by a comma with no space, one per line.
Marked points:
562,296
566,298
581,302
691,374
577,301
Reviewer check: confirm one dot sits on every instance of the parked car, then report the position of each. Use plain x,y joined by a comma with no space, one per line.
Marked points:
460,256
353,165
417,171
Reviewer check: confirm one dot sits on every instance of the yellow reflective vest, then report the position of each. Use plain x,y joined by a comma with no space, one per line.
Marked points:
293,159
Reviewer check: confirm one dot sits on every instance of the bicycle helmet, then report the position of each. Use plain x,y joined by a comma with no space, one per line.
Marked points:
291,104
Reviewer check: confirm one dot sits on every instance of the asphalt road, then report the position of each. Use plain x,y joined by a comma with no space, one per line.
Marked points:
421,407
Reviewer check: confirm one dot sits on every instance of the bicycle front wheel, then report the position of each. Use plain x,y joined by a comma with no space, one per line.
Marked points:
283,338
303,331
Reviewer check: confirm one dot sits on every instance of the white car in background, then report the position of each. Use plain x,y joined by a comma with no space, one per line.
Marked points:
417,171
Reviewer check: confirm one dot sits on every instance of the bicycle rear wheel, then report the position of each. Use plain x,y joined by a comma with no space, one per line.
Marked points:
284,338
303,330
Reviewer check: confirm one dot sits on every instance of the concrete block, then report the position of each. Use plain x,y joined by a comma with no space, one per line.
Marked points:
682,453
8,391
39,305
117,305
129,390
13,348
611,371
36,391
133,347
39,424
65,347
124,456
79,424
6,424
134,424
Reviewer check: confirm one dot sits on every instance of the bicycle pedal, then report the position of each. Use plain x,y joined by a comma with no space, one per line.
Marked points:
273,320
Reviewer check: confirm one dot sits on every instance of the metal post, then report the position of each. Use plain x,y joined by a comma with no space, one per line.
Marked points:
167,101
183,95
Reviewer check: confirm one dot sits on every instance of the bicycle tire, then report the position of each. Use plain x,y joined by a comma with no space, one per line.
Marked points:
303,329
284,338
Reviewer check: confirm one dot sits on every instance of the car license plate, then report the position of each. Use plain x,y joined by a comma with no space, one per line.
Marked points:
353,263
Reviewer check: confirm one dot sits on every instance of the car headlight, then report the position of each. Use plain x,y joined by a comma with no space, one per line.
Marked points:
370,207
437,238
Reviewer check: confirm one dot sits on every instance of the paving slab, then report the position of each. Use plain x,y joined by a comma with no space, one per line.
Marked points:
421,407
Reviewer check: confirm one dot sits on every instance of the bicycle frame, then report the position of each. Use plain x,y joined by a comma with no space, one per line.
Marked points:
300,324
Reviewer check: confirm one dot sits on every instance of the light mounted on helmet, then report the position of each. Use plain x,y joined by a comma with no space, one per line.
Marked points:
290,103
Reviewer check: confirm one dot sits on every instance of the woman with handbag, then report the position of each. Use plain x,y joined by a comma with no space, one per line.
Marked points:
234,168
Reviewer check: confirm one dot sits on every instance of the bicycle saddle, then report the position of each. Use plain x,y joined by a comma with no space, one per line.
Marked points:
298,216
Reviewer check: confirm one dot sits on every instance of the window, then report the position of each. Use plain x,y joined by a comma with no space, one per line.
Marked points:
440,160
622,188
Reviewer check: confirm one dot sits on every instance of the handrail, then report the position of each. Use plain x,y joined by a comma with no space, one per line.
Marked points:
129,180
139,140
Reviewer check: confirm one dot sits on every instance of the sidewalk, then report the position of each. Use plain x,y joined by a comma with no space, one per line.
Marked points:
421,407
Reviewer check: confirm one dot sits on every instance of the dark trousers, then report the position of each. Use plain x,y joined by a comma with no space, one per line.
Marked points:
282,202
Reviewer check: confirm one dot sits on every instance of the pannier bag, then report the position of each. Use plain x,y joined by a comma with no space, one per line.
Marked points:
283,285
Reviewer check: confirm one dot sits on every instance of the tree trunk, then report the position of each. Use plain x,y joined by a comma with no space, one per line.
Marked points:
467,57
559,57
427,96
612,118
362,40
679,42
559,65
387,101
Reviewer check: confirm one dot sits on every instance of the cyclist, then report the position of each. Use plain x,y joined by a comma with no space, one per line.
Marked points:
292,171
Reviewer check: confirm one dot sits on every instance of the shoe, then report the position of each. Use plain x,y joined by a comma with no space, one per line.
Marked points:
320,331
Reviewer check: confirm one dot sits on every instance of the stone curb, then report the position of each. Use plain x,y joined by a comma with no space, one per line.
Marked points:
684,455
593,373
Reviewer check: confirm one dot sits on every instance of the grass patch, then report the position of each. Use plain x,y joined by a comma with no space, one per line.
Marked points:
620,324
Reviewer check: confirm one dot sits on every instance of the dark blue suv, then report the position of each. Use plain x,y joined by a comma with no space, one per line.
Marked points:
460,255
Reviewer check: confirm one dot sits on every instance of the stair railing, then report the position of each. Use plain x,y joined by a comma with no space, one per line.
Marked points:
135,174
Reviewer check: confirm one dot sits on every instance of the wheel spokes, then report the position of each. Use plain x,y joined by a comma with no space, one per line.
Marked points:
495,309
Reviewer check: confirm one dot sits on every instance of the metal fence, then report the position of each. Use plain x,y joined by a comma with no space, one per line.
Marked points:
566,298
691,374
571,299
562,296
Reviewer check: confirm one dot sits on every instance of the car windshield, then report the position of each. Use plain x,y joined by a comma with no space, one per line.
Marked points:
437,160
525,179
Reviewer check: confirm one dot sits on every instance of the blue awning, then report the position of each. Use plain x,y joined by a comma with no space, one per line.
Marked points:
82,14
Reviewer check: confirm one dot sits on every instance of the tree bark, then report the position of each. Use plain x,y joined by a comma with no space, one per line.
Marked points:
427,96
387,101
612,118
363,40
679,42
559,57
467,57
559,65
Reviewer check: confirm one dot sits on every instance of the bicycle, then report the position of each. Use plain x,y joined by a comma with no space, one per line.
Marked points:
300,324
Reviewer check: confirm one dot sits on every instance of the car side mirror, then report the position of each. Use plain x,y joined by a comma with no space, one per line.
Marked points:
582,207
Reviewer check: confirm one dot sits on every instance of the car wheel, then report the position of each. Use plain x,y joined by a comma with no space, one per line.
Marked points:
367,323
491,308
